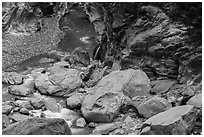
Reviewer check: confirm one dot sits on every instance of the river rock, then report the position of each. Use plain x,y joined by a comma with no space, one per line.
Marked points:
12,78
24,111
17,117
196,100
178,120
161,86
37,103
38,126
6,109
58,82
23,104
75,100
20,90
103,103
80,122
153,106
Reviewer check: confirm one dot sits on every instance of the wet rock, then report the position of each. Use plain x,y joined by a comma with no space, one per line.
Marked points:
153,106
17,117
5,121
37,103
196,100
24,111
38,126
6,109
103,103
178,120
20,90
12,78
161,86
75,100
23,104
58,82
104,129
80,122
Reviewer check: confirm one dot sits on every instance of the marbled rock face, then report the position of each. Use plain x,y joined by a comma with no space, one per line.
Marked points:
156,44
106,98
38,126
175,121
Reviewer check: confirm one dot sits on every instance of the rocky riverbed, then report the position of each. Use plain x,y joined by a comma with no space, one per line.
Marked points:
51,88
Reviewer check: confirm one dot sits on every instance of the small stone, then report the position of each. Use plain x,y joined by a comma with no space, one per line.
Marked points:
80,122
24,111
17,117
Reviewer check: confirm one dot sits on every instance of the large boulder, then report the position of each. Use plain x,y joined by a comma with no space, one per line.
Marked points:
58,81
38,126
20,90
196,101
153,106
103,103
178,120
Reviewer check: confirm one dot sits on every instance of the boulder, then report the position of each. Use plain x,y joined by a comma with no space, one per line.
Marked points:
58,82
6,109
103,103
20,90
18,117
38,126
12,78
24,111
153,106
178,120
23,104
37,103
161,86
196,100
75,100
